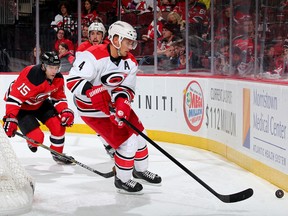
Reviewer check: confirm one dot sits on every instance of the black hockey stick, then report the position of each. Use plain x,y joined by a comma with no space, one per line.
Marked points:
230,198
105,175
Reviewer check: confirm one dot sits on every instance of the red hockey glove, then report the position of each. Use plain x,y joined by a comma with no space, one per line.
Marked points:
122,110
67,117
100,98
10,125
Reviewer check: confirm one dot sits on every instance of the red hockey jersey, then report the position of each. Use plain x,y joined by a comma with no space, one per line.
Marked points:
31,88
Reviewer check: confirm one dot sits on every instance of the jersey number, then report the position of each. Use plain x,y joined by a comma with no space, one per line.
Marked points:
81,65
24,89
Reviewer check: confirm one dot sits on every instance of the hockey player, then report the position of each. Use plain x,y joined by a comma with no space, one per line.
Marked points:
96,35
38,95
104,76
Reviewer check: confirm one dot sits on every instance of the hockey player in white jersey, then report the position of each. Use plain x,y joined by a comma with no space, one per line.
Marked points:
105,76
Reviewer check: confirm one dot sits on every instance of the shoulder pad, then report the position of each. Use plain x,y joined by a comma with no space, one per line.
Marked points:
36,75
59,75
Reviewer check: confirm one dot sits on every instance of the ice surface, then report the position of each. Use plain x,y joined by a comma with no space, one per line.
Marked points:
73,190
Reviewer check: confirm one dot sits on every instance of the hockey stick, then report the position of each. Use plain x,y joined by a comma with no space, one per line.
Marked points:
230,198
105,175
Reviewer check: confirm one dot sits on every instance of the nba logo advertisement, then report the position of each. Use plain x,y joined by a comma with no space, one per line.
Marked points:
193,105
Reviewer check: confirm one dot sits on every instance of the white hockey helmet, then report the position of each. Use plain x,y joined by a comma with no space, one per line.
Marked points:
97,26
123,30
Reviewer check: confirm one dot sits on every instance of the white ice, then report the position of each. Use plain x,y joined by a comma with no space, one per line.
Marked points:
73,190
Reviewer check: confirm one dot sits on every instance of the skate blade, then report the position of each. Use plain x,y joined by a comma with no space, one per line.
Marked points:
121,191
142,181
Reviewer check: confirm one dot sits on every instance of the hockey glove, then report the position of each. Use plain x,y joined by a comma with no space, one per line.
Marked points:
67,117
100,98
10,125
122,110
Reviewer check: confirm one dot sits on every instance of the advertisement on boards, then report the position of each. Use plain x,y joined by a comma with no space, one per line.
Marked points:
223,118
268,124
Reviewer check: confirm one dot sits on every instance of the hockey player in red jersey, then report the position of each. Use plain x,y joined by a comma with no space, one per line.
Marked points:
96,35
38,95
105,76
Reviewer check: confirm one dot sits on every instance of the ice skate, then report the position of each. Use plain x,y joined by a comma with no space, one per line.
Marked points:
147,177
129,187
32,148
61,160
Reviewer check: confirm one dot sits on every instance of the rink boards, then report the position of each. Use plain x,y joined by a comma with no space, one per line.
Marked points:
244,121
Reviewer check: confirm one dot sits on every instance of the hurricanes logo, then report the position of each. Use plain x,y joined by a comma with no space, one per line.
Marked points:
193,105
113,79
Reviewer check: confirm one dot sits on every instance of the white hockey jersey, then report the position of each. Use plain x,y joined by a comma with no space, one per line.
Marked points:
94,67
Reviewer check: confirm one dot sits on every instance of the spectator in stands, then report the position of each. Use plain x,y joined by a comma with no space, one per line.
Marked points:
269,58
221,62
4,60
278,42
179,46
175,18
197,13
281,68
243,24
168,60
245,42
61,37
89,13
223,24
169,36
125,6
196,9
96,35
63,19
84,33
166,5
182,61
33,55
180,50
66,57
159,28
140,5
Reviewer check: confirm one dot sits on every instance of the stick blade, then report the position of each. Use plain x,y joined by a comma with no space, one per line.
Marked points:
237,197
109,174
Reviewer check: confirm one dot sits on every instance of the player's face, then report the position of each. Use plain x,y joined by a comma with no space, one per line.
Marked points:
95,37
51,71
126,46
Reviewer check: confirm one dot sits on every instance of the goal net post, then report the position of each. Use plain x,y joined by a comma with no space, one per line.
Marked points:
16,185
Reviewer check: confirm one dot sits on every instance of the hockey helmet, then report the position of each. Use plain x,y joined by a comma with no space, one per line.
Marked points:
50,58
123,30
97,26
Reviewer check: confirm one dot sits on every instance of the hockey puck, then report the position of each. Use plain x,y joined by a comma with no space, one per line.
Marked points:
279,193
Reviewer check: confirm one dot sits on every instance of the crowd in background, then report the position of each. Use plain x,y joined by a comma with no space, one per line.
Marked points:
170,29
240,46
